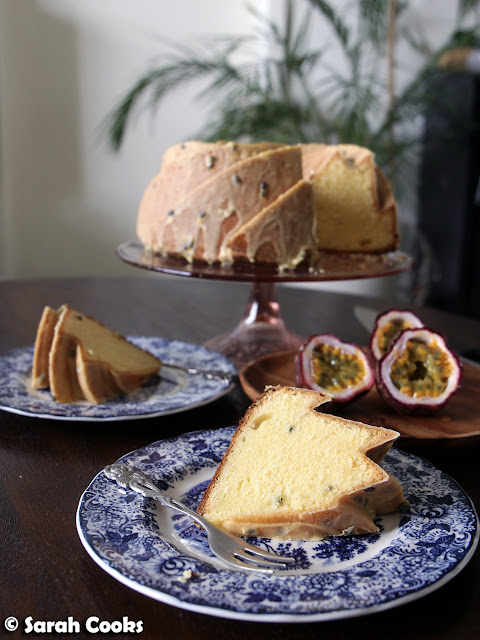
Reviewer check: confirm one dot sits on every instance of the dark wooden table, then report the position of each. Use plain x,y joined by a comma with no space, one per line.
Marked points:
45,465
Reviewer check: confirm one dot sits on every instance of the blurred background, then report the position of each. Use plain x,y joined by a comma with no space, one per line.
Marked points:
92,94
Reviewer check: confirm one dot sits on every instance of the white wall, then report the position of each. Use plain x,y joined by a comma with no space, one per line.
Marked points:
67,201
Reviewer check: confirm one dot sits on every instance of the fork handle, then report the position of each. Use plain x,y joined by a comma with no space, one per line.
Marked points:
132,478
210,374
168,501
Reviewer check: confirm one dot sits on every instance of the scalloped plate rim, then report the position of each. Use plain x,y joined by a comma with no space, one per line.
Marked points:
220,388
288,617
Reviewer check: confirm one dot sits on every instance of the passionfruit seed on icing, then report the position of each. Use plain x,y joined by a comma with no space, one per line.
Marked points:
419,373
387,327
326,363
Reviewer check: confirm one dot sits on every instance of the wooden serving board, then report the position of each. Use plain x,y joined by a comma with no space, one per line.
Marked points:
460,418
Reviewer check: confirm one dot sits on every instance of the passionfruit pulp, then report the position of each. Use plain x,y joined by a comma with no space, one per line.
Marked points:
326,363
419,373
387,327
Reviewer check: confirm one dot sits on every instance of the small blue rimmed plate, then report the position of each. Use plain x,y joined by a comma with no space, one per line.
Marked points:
169,392
165,556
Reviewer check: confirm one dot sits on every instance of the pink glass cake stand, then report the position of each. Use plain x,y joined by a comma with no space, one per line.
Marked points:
262,329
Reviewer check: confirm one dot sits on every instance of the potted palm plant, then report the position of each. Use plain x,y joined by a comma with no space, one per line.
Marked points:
294,92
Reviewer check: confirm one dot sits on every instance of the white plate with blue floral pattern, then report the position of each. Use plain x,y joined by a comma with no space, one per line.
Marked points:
163,555
169,392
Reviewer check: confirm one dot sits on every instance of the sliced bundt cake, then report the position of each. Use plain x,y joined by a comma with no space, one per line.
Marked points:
80,358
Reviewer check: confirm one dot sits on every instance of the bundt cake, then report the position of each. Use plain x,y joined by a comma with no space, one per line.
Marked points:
291,472
354,205
212,201
86,360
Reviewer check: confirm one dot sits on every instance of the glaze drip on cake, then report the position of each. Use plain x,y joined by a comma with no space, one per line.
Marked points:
278,234
200,224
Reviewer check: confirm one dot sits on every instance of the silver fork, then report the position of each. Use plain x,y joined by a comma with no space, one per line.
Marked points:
234,551
210,374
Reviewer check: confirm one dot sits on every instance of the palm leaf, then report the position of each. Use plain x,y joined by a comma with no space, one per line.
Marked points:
284,97
334,20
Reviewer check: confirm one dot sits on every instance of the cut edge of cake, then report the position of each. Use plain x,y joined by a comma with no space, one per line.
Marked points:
62,374
373,230
41,349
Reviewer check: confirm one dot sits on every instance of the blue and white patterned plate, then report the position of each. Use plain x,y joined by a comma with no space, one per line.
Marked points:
153,550
169,392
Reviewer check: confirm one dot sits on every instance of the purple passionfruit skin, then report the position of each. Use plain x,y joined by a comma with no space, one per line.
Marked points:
304,374
402,402
405,320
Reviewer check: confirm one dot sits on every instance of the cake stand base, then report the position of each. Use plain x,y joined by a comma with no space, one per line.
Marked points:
261,331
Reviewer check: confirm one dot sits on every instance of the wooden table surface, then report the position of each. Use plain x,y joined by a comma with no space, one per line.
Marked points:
45,465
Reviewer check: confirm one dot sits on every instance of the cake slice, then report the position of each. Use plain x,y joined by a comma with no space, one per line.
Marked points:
100,381
354,205
41,350
291,472
88,360
282,233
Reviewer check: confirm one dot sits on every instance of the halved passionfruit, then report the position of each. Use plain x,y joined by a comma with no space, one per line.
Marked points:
387,327
325,363
419,373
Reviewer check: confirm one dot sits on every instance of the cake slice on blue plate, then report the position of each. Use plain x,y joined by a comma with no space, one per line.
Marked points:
292,472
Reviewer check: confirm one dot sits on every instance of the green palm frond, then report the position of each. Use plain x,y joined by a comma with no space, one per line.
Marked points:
292,93
373,22
464,7
335,21
183,67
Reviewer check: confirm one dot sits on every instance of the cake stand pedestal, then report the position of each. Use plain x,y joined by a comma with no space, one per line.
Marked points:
262,329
